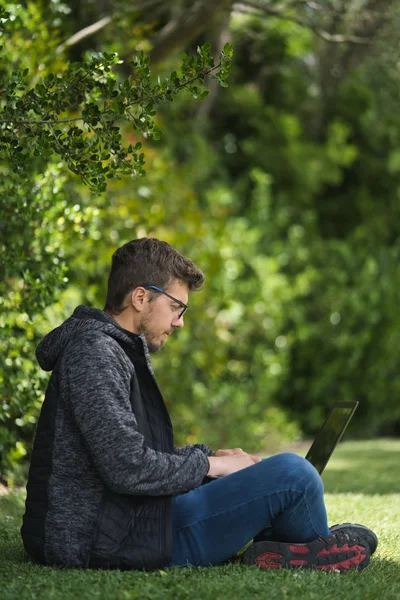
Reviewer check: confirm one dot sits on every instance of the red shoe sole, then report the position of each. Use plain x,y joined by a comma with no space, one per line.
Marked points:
323,554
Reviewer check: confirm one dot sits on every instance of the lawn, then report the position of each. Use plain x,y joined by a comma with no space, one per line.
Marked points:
362,484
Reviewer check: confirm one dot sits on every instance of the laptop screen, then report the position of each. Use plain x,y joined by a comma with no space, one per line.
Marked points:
330,433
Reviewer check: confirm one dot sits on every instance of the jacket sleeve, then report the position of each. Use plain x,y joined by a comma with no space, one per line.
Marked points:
98,375
187,449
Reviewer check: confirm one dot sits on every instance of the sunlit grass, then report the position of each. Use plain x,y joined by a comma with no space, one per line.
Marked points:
362,483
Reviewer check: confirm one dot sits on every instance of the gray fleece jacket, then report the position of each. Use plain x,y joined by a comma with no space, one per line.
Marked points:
88,440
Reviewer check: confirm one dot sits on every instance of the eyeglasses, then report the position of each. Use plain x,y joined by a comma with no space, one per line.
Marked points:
157,289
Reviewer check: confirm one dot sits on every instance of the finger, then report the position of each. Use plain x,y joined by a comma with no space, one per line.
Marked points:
223,452
255,459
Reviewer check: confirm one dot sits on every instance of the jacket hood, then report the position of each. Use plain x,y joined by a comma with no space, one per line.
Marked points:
83,319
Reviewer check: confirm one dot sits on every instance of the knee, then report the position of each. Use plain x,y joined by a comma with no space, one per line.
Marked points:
298,471
293,460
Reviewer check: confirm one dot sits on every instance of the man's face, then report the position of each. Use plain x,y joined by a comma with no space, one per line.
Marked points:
161,316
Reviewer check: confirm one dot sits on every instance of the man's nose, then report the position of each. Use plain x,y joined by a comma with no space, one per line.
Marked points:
178,322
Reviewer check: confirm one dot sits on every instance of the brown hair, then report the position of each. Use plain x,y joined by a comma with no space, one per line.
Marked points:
144,262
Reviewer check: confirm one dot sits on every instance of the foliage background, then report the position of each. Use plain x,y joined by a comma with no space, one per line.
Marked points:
284,188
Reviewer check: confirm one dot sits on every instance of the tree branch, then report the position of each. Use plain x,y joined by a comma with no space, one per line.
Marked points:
84,33
40,121
189,24
221,31
340,38
256,6
156,98
95,27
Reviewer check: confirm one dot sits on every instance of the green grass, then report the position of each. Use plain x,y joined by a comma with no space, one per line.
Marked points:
362,485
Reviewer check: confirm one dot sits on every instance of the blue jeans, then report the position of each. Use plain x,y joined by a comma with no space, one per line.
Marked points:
280,498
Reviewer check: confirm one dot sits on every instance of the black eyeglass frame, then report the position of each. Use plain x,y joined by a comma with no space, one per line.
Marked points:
157,289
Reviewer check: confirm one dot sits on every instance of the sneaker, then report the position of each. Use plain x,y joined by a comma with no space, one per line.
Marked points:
335,552
361,533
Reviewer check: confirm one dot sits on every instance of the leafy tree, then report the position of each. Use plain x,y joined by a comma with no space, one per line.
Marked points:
47,114
57,118
313,179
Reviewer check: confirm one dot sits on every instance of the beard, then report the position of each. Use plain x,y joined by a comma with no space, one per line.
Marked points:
154,342
154,346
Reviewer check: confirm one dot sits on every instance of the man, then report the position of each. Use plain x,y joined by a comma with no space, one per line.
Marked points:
108,489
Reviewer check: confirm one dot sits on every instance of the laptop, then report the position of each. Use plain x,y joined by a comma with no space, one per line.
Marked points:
330,434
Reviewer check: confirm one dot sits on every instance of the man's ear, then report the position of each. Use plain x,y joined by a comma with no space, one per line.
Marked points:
138,298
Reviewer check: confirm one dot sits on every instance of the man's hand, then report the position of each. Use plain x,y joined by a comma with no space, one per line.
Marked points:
231,451
225,462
